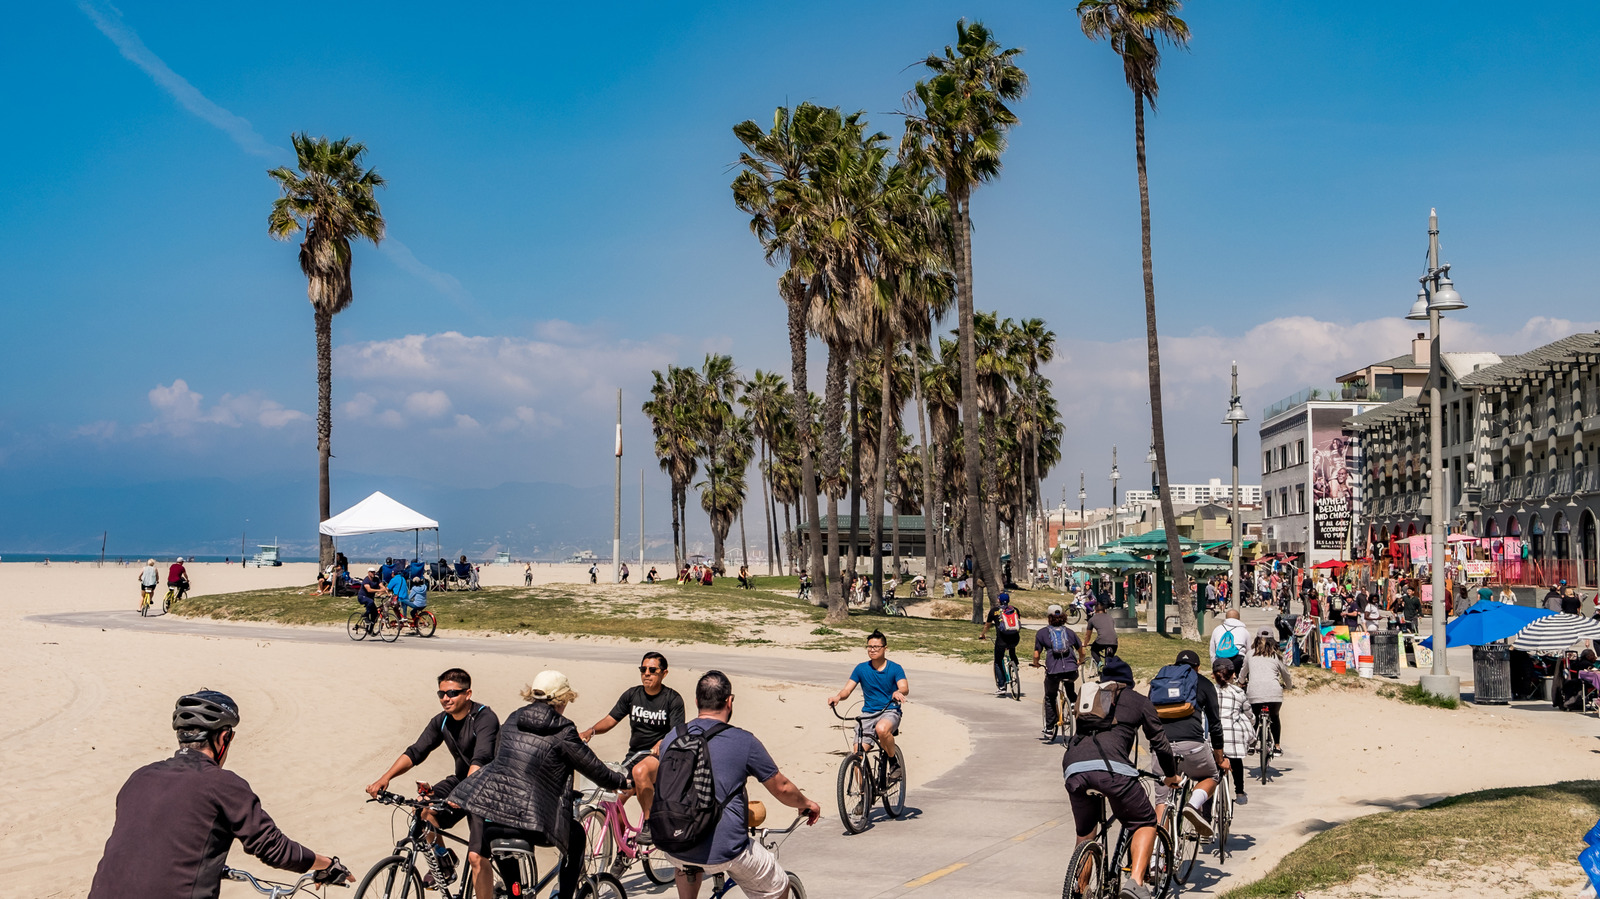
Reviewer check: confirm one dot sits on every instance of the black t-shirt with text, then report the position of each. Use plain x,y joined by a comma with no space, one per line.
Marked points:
649,717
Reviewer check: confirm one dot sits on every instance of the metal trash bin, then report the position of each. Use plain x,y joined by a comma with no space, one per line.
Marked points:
1491,674
1386,653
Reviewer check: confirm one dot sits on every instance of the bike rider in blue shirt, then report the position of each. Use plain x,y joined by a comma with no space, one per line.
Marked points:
883,688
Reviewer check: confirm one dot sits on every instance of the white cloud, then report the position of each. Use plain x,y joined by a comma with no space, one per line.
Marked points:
179,410
428,404
362,405
109,20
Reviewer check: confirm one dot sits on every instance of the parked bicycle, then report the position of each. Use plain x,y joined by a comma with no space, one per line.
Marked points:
864,778
336,874
1096,869
611,839
722,884
420,862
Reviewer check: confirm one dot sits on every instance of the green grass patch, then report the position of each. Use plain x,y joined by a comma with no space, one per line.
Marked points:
543,610
1414,694
1494,827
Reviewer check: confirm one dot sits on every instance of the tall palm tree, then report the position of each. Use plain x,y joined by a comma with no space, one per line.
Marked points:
997,367
940,384
1136,29
331,199
765,398
672,409
960,117
719,435
775,188
1036,347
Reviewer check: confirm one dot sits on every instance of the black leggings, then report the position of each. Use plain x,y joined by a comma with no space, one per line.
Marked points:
1004,645
1236,767
1272,709
571,860
1064,680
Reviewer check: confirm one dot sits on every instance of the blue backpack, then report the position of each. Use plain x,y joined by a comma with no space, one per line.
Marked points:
1174,691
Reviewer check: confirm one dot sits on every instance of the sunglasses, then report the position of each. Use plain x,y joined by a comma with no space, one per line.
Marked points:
450,693
650,669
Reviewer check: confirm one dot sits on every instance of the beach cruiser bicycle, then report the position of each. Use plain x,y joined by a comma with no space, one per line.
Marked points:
1013,686
721,884
1097,866
420,622
421,861
864,777
1265,746
1181,835
335,874
611,840
176,593
1066,715
147,601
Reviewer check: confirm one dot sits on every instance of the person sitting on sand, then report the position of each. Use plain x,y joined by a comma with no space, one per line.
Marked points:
651,576
706,575
744,577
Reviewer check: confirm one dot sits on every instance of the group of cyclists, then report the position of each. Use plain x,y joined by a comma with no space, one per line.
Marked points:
150,577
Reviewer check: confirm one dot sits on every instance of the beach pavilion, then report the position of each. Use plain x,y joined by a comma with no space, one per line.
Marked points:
378,514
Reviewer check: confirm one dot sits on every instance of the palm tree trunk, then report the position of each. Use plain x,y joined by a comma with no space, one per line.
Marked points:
792,295
969,408
881,476
744,545
929,551
1180,582
990,504
324,321
855,467
768,514
788,535
832,426
677,546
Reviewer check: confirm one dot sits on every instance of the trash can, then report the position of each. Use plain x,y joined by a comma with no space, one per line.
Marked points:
1386,654
1491,674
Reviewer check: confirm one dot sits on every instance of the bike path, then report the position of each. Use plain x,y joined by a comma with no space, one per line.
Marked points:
997,824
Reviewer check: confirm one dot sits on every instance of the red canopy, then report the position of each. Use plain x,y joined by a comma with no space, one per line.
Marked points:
1331,563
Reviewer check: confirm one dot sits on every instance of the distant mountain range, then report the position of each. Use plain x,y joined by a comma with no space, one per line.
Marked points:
208,516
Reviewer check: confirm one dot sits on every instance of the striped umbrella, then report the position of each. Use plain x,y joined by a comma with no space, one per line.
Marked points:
1556,633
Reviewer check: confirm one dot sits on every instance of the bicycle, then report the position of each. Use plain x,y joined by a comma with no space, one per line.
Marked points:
1181,835
516,872
335,873
864,778
147,600
721,884
1066,714
176,593
893,607
1013,684
1089,876
1222,814
611,840
1265,745
421,622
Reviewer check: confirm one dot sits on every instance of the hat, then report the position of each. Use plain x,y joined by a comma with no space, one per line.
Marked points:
1267,632
1188,657
371,569
549,685
1116,671
1004,598
1053,610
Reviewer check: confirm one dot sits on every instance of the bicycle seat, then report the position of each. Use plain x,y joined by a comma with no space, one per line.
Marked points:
1089,792
510,845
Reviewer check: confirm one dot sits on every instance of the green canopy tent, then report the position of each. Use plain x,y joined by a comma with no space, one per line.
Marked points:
1203,562
1154,543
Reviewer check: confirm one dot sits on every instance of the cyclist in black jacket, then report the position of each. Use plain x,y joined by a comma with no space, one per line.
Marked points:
177,818
469,730
1197,744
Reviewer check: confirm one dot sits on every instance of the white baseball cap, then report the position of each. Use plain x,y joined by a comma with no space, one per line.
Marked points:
549,684
1054,609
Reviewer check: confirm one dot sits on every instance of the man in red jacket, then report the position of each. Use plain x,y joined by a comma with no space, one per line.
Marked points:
177,818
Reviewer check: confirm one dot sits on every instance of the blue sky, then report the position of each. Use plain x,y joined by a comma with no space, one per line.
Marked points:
560,220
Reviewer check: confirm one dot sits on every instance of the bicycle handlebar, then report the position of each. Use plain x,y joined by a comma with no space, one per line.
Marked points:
388,798
787,830
335,873
857,718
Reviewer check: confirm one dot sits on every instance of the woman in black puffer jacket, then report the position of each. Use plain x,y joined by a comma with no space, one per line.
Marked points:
526,792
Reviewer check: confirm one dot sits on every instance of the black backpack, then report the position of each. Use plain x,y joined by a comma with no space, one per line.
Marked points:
686,809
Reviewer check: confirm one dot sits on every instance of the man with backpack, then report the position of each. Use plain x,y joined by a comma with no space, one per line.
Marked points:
1110,716
700,821
1231,640
1063,653
1190,715
1007,634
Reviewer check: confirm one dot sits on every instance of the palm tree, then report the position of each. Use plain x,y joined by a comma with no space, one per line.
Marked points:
1136,29
765,398
960,118
997,367
673,419
1036,346
331,199
940,386
719,433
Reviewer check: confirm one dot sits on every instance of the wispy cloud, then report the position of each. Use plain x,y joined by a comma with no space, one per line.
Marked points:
109,20
445,283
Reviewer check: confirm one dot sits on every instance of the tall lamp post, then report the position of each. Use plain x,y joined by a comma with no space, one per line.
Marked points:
1116,520
1235,416
1436,296
1082,495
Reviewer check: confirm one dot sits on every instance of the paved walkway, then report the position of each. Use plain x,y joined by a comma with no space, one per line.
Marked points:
996,825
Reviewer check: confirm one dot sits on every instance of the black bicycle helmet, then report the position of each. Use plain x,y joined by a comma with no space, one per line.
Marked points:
206,710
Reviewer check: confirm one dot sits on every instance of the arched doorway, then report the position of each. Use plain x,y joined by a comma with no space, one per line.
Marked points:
1587,548
1513,527
1561,537
1536,535
1494,527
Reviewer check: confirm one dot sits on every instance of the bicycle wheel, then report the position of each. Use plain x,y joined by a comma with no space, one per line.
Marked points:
1158,875
426,623
656,866
1264,745
1074,615
601,886
894,791
356,627
1222,815
1016,679
144,607
855,793
797,890
599,846
1086,873
388,626
1186,847
166,605
392,878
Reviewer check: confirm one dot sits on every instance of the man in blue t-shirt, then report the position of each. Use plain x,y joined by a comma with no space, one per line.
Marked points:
736,755
883,688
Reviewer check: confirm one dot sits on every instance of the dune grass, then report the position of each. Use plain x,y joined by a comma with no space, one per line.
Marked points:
1414,694
1542,825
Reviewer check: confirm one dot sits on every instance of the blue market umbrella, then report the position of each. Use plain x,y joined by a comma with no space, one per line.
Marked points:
1487,621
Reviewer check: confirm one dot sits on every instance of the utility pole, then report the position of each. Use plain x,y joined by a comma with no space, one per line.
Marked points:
1236,414
616,519
641,522
1116,520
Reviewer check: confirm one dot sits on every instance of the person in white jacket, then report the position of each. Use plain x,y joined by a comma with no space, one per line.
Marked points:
1231,640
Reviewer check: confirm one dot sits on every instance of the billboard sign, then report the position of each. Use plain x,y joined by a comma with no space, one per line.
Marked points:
1334,479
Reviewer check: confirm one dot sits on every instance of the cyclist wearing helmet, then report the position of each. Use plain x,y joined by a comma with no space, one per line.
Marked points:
1007,625
177,818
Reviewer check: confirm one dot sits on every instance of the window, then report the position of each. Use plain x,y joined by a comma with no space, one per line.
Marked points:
1269,507
1266,462
1283,456
1300,498
1299,452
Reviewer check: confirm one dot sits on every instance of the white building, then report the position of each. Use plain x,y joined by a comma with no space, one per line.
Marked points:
1215,491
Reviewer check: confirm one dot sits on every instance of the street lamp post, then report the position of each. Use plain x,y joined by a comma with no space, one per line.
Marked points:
1116,520
1082,495
1235,416
1436,297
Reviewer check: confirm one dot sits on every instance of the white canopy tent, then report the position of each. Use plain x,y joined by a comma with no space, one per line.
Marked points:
377,514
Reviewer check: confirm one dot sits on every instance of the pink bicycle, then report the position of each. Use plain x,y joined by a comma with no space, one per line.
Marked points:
611,840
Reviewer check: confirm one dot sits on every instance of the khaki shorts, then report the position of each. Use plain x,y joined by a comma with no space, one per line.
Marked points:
1196,761
756,871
